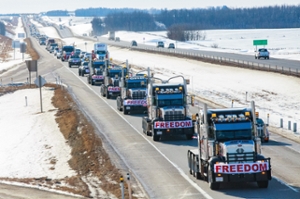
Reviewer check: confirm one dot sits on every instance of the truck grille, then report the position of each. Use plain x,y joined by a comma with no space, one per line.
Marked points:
174,115
240,157
138,94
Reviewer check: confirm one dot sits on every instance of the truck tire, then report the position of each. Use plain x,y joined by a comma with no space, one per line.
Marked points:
212,185
262,184
125,111
155,137
92,82
107,95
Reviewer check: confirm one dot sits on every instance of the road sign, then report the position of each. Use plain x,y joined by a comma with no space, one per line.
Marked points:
260,42
31,65
21,35
16,44
42,81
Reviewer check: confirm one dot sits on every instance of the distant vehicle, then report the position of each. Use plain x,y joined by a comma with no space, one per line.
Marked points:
67,51
262,52
87,56
56,49
77,51
171,45
84,68
160,44
50,41
42,40
133,43
74,60
111,35
82,54
52,47
59,54
117,39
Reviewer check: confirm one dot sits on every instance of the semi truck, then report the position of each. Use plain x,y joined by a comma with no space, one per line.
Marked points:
96,76
111,35
111,86
100,52
229,149
167,109
133,94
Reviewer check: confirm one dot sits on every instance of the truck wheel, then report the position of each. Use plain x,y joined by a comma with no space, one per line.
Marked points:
263,184
212,185
102,91
70,66
107,95
125,111
155,137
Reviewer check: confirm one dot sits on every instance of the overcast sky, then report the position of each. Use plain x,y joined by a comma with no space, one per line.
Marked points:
36,6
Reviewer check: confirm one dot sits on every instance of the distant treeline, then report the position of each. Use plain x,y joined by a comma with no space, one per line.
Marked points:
200,19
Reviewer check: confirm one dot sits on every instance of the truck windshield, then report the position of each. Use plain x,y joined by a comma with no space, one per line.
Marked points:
170,102
68,49
233,131
113,74
98,65
136,85
101,52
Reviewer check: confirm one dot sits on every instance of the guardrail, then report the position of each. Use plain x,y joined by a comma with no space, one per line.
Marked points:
221,60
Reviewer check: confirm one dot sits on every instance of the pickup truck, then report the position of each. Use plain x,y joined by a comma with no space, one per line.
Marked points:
262,52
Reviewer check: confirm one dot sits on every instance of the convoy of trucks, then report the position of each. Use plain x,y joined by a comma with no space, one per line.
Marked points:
229,148
229,139
167,109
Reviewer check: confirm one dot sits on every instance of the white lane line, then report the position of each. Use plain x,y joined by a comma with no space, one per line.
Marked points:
286,184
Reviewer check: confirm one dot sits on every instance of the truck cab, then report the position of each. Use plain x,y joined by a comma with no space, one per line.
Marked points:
111,86
96,76
229,148
167,109
133,94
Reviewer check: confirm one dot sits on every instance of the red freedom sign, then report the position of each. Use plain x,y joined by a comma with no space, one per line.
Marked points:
135,102
173,124
112,89
97,77
241,168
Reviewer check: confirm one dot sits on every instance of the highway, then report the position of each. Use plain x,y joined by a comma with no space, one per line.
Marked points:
161,167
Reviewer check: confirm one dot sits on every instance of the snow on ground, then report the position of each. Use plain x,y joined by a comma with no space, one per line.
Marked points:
29,147
31,142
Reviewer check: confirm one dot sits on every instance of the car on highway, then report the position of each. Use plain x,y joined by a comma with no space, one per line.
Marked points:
171,46
56,49
87,56
133,43
59,54
160,44
84,68
262,53
74,60
78,51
